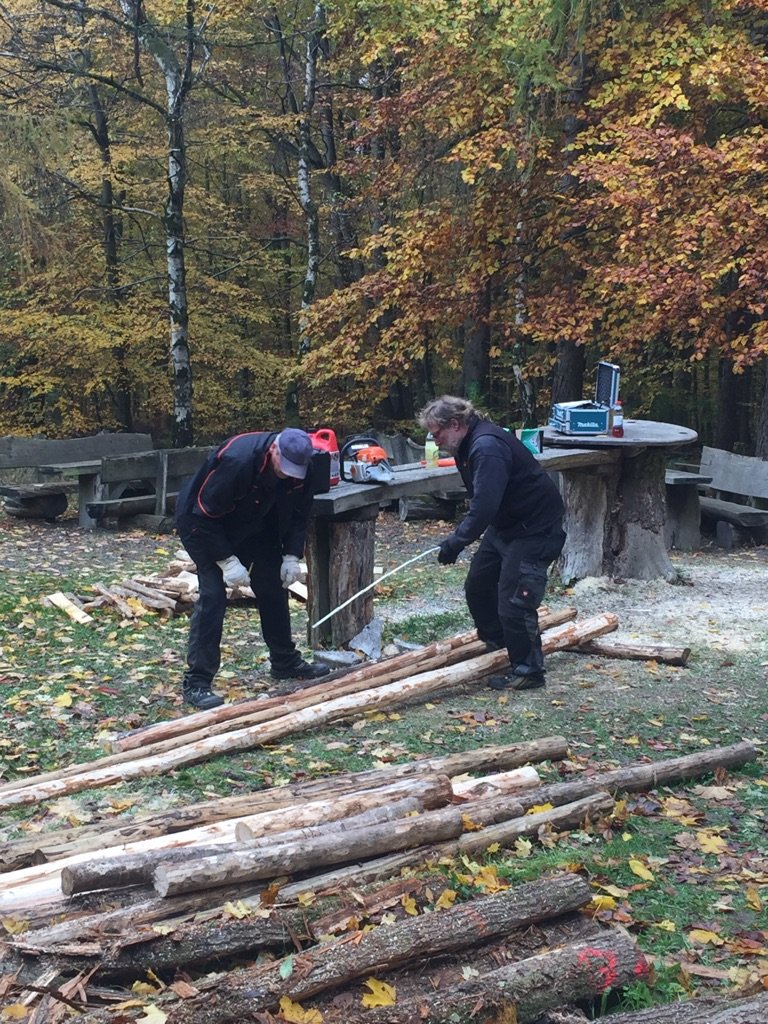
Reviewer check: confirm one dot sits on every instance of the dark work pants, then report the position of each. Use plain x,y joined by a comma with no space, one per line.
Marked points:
504,588
262,551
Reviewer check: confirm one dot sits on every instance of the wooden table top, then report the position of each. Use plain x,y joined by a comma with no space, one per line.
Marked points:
637,434
413,479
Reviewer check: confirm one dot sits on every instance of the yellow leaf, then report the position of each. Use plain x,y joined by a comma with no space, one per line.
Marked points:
381,994
237,910
14,927
710,843
523,847
667,926
446,900
296,1014
469,825
64,700
638,868
306,899
153,1016
614,890
753,898
494,848
704,937
16,1011
539,808
409,905
163,929
603,903
142,988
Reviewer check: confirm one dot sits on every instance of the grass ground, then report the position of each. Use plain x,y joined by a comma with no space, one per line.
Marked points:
684,868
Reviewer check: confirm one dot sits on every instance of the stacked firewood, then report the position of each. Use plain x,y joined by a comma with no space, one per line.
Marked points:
171,593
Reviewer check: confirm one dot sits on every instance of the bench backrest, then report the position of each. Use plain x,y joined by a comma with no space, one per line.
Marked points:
23,452
147,465
735,474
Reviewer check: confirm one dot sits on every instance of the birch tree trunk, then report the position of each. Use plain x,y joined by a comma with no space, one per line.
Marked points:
179,76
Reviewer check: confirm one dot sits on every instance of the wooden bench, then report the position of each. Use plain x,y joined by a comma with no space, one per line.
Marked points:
34,500
119,486
682,526
738,485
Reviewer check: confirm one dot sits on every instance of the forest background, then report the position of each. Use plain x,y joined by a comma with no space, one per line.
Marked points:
218,217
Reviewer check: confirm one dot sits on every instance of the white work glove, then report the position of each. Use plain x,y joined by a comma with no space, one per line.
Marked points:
290,570
235,573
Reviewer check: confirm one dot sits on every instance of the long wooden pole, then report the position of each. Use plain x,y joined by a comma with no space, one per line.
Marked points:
388,695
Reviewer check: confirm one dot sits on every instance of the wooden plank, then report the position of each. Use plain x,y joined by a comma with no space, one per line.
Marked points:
681,478
61,601
17,452
181,462
120,508
121,468
735,474
731,512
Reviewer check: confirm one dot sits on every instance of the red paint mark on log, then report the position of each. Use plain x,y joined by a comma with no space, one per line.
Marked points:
602,964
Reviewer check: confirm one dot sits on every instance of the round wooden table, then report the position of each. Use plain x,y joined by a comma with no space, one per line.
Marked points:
615,513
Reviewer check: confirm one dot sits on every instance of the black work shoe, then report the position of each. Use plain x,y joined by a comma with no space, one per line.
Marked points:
534,681
201,698
304,670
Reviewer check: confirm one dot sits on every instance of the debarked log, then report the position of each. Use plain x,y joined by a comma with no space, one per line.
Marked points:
138,868
247,991
664,653
525,989
260,862
37,849
389,695
39,884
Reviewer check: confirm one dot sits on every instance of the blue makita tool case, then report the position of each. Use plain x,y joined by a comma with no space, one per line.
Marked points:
585,417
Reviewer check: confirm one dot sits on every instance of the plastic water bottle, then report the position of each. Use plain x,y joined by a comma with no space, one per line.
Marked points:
431,452
617,430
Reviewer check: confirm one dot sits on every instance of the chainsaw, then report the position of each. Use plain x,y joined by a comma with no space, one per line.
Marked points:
364,461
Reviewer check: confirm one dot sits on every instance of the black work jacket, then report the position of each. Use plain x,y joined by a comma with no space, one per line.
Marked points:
236,493
507,487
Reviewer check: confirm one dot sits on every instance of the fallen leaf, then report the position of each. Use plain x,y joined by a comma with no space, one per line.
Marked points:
638,868
153,1016
704,937
296,1014
446,900
381,994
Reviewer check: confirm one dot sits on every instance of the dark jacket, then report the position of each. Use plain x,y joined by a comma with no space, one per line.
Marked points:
236,493
507,487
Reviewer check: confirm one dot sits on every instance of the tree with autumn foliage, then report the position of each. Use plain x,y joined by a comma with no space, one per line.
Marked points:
358,205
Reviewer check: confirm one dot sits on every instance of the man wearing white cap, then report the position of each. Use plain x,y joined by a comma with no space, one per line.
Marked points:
242,518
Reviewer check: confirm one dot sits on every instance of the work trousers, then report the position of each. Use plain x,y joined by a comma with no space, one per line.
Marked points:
262,553
504,588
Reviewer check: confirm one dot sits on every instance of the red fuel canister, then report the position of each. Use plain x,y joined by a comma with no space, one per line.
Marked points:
324,440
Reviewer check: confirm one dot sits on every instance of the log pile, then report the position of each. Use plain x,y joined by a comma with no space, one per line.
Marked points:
324,874
220,894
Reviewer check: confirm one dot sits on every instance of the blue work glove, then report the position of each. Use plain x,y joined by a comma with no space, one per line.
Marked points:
449,551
